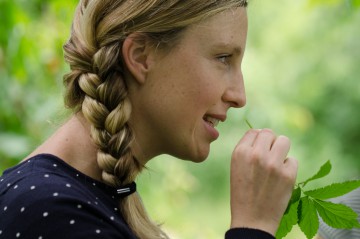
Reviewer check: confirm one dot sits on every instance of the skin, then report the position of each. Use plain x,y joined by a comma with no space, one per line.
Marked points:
170,94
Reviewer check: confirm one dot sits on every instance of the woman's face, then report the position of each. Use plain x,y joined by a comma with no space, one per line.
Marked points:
190,89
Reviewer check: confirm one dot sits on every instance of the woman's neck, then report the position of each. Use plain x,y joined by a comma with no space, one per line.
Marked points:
73,144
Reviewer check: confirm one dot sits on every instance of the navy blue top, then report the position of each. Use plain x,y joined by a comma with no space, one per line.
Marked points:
45,198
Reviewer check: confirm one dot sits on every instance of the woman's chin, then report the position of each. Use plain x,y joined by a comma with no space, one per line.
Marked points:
199,157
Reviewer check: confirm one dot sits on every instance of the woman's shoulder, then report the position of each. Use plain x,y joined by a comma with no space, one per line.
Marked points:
37,183
41,195
38,176
48,178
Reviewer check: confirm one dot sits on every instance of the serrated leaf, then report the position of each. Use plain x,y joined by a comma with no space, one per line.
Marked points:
337,215
308,218
289,219
295,196
323,171
333,190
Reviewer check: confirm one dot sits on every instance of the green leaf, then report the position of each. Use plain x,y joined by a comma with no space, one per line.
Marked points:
295,196
333,190
337,215
323,171
289,219
308,218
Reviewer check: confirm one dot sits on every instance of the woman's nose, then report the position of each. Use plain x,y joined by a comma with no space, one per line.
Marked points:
234,94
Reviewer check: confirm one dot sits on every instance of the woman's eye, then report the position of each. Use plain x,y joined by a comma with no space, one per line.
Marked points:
224,59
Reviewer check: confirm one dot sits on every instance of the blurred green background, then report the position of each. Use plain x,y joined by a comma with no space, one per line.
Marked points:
301,67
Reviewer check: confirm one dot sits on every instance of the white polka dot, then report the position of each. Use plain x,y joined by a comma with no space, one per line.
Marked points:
55,194
0,232
94,184
46,175
68,185
22,209
18,234
32,187
1,180
5,208
72,222
18,171
55,165
89,202
16,186
96,203
112,218
29,161
40,237
45,214
77,175
79,206
116,209
8,185
98,231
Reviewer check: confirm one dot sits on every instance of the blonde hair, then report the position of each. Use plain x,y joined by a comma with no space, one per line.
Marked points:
96,86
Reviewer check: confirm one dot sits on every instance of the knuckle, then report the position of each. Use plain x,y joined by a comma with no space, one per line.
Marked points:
284,139
288,178
239,152
255,156
267,131
272,168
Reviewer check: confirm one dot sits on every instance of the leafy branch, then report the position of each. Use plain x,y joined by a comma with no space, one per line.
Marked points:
306,206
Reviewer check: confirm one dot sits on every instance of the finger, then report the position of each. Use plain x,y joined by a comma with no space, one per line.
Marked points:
264,140
291,162
291,166
249,137
280,148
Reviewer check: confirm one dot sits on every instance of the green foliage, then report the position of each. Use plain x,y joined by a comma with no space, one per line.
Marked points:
351,3
301,74
305,210
289,219
336,215
333,190
324,170
307,217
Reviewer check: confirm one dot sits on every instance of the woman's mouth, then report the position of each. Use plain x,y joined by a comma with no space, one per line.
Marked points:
211,121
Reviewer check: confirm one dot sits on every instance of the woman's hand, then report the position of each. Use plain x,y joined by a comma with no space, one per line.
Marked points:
262,180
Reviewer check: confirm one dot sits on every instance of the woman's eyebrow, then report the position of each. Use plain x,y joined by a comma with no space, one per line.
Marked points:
235,49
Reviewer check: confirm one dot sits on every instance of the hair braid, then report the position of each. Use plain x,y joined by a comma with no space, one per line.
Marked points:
107,108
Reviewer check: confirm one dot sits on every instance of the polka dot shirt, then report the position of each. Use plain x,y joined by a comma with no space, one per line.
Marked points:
45,198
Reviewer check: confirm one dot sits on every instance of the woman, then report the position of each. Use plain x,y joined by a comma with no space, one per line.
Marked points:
147,78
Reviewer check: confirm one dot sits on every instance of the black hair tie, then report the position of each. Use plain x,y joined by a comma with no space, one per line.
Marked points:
126,190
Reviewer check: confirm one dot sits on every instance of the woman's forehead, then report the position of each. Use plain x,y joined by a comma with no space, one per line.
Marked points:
221,30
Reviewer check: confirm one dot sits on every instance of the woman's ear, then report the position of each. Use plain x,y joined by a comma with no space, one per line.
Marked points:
135,51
